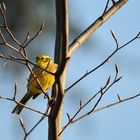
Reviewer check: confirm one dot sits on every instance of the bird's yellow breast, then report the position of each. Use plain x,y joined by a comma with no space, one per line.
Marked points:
45,79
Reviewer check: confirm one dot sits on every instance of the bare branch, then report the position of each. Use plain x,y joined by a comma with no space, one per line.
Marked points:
22,125
119,97
107,82
24,62
26,39
10,46
25,106
38,33
3,8
3,12
63,53
102,91
21,45
12,58
81,103
32,129
118,102
69,119
5,42
113,2
93,27
118,79
114,37
103,62
15,91
133,39
110,105
107,3
116,69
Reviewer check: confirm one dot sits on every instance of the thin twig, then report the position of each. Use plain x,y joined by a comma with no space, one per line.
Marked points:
107,3
110,105
6,25
104,61
115,39
38,33
32,129
5,42
21,45
25,106
22,125
15,91
102,91
26,39
11,58
113,2
24,61
118,102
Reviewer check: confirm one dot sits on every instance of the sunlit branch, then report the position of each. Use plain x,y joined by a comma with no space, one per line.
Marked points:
94,26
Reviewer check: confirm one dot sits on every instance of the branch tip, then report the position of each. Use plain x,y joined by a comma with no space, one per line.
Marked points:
113,34
101,90
118,79
12,57
22,125
4,65
106,7
81,103
69,119
119,97
106,61
86,72
116,69
27,36
15,91
42,27
1,55
138,35
21,120
113,2
3,8
115,39
108,81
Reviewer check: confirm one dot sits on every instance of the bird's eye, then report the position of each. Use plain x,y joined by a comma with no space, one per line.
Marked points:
42,58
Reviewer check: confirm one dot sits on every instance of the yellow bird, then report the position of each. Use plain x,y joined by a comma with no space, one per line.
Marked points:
46,80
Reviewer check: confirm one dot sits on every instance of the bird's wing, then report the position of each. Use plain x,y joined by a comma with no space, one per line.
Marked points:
35,71
52,67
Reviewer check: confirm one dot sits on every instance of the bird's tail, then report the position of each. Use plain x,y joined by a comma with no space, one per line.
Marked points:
19,107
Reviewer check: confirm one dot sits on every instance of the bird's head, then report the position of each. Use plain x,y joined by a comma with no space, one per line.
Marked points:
43,61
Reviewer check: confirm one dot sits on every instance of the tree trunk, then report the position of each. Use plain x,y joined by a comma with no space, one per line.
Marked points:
61,48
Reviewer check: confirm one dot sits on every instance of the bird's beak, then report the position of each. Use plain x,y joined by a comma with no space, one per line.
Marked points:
36,58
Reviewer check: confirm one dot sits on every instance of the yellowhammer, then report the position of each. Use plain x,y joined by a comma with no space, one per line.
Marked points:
46,80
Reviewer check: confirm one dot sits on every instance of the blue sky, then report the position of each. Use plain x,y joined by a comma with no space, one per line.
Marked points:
119,122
